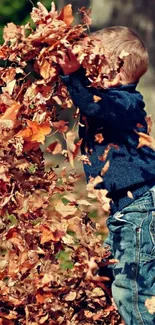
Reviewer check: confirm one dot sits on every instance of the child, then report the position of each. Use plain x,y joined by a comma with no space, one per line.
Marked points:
130,179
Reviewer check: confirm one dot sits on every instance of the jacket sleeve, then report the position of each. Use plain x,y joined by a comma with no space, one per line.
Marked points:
117,107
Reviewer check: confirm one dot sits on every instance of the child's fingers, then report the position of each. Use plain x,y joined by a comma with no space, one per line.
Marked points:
64,61
71,55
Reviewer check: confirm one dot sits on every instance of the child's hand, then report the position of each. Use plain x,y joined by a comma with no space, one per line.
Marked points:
69,62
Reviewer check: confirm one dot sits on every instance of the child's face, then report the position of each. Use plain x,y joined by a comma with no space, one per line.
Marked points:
121,78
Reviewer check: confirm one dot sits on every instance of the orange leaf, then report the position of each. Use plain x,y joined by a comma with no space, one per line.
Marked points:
146,140
66,15
105,168
106,151
42,297
11,112
96,98
35,132
99,137
48,235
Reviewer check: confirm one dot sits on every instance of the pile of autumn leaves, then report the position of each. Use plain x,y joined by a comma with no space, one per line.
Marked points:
49,250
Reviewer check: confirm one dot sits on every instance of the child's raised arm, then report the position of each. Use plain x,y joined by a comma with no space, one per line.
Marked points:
115,106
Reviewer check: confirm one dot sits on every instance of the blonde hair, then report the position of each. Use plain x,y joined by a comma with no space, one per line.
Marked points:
118,38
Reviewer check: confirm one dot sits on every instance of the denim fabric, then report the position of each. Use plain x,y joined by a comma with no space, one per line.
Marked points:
132,241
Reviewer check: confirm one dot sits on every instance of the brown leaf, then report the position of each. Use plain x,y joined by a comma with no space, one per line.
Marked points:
99,137
106,151
61,126
72,148
47,71
42,297
149,122
15,238
65,210
70,296
55,148
48,235
12,315
86,16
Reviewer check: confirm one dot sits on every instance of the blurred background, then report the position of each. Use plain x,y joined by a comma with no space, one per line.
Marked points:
138,15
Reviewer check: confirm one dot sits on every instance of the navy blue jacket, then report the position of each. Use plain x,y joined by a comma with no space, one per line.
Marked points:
117,116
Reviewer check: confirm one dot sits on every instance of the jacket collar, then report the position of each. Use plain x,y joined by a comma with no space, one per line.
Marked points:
129,87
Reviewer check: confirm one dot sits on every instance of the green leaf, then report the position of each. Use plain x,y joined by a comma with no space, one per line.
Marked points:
32,106
65,201
32,169
68,265
37,221
12,218
65,260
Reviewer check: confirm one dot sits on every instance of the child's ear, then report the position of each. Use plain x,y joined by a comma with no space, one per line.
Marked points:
123,77
115,82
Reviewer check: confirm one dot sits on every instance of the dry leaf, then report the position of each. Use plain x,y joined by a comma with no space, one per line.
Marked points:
96,98
70,296
48,235
66,15
130,195
11,112
65,210
150,305
149,122
105,168
35,132
99,138
61,126
145,140
55,148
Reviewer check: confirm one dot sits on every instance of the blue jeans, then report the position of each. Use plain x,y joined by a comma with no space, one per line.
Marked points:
132,241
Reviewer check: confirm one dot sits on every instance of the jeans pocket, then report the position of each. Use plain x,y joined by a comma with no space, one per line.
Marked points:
147,237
